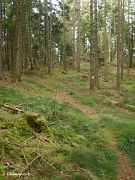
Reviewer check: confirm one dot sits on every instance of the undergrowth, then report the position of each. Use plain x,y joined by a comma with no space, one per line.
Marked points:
70,144
122,126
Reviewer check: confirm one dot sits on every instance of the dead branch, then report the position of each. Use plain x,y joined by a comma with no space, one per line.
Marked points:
22,104
29,139
13,109
44,139
28,165
25,157
76,168
14,143
48,163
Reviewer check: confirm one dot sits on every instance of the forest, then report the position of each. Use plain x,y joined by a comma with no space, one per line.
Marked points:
67,89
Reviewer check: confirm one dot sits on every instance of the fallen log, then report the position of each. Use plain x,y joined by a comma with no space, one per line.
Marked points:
112,102
117,104
13,109
130,107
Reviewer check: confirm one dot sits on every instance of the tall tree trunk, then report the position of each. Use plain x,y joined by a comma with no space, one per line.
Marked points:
30,36
47,40
73,41
96,45
39,32
8,35
50,35
129,55
27,37
118,46
64,38
19,44
78,38
92,64
15,46
105,43
1,74
122,38
110,38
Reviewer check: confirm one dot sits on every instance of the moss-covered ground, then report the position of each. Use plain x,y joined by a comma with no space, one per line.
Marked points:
63,142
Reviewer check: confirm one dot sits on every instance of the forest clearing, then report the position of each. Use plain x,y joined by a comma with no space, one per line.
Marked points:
66,131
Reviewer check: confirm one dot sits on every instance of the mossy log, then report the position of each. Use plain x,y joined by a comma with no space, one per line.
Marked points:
130,107
115,103
112,102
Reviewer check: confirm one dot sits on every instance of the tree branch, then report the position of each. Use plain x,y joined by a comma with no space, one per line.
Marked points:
15,110
21,173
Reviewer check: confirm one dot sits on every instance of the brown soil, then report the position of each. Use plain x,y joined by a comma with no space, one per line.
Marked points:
124,167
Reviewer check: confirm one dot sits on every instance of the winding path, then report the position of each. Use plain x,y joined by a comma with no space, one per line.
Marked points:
125,171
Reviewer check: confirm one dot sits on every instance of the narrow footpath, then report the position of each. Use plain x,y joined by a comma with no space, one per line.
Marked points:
125,171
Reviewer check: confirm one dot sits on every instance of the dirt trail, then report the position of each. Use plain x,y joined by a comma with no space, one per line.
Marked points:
125,171
124,168
62,95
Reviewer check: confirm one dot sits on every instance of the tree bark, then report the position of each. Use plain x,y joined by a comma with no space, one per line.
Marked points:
128,65
118,46
64,38
105,43
96,46
48,62
19,44
122,38
1,73
30,37
78,38
15,46
39,32
73,41
92,64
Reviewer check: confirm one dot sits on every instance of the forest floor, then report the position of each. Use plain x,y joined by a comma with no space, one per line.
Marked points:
125,170
69,87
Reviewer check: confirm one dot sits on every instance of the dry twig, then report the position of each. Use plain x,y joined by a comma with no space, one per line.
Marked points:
29,139
28,165
48,163
25,157
14,143
44,139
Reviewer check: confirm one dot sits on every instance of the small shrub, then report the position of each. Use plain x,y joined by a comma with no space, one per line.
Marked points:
126,142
